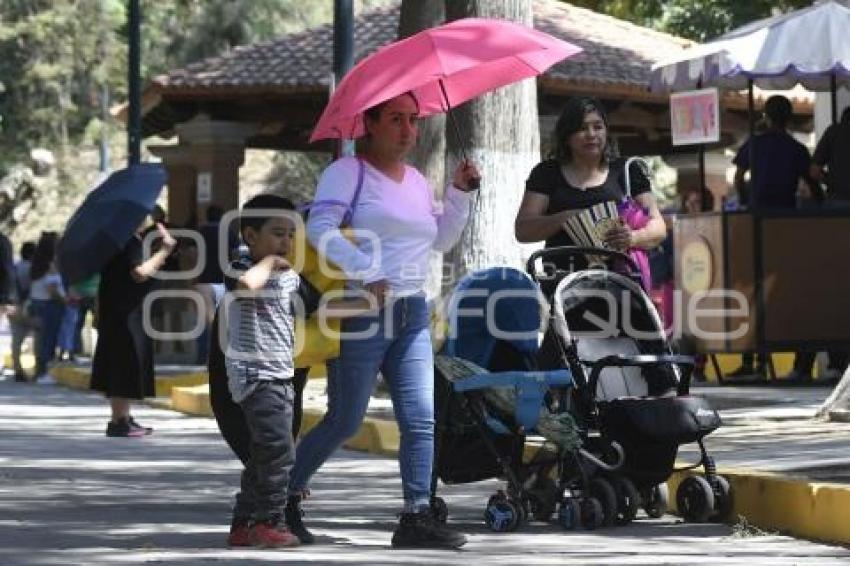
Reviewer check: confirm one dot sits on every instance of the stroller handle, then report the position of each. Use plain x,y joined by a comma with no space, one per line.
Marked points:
573,251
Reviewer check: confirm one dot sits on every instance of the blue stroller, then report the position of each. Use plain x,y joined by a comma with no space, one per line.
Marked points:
489,399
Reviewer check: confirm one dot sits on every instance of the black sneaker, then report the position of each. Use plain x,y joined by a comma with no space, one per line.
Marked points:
123,429
294,517
420,530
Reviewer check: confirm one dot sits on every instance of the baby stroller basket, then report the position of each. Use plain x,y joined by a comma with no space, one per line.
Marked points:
666,420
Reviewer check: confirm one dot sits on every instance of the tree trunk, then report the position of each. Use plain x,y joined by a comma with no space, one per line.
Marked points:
429,156
839,399
500,133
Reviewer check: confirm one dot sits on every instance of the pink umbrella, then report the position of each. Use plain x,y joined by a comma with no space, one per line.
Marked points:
444,67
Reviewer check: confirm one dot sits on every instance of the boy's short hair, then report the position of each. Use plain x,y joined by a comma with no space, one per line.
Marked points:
778,108
262,202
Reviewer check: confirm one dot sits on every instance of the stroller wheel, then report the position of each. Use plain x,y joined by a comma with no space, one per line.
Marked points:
695,499
501,514
722,499
628,500
602,490
439,510
569,513
656,501
592,515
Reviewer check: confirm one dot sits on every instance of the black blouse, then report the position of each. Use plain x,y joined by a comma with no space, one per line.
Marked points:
547,178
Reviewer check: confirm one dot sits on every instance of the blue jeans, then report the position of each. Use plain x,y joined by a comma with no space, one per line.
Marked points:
399,346
49,316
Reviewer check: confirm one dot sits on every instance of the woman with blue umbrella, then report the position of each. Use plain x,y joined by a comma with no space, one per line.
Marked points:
123,359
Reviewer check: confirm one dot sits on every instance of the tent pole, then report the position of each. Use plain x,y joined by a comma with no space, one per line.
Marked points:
703,189
833,91
751,201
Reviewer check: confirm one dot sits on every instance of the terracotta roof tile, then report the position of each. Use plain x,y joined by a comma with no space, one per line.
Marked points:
616,53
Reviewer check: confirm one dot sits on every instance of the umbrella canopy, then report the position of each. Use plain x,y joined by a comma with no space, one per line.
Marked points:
443,66
107,219
809,46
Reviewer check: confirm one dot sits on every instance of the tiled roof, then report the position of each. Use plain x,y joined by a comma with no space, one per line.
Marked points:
617,54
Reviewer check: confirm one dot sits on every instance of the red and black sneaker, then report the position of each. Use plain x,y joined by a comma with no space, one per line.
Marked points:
269,535
134,424
240,534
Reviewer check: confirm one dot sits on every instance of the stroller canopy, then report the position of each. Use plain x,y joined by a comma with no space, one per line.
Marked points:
594,302
500,304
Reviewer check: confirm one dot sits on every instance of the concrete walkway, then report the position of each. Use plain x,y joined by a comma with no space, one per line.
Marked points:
69,495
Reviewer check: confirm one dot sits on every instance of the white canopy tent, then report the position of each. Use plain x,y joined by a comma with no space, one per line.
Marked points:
810,47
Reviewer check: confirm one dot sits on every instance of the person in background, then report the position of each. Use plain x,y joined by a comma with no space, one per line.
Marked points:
662,264
8,290
779,177
122,368
47,303
21,323
85,294
831,162
778,164
210,281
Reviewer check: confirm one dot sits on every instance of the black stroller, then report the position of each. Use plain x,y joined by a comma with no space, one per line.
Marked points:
629,387
489,399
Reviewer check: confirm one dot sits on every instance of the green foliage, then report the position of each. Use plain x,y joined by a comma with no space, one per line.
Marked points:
699,20
56,56
53,63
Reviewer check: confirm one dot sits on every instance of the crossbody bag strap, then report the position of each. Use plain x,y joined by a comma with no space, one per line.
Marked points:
361,173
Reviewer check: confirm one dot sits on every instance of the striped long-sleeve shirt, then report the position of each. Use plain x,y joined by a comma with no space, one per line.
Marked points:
259,328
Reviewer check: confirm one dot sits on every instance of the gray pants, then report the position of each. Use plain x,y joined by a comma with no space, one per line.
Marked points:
268,413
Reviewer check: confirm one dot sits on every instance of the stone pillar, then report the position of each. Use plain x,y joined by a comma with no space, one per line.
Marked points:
203,169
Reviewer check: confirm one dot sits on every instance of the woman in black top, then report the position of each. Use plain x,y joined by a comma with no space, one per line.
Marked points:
583,171
123,368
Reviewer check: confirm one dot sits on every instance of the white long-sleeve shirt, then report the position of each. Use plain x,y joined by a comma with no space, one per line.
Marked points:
395,224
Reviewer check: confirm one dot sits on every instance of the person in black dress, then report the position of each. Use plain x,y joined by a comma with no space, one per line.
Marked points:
582,171
123,368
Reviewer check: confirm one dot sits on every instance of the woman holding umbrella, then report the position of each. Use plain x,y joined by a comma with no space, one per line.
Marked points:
122,368
395,209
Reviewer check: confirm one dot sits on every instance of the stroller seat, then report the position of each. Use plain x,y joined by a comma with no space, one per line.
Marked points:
614,382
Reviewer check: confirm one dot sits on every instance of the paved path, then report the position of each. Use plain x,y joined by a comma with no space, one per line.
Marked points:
69,495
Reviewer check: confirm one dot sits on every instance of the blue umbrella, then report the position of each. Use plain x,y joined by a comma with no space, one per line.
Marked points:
107,219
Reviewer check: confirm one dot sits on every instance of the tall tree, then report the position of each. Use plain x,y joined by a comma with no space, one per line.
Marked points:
429,156
500,132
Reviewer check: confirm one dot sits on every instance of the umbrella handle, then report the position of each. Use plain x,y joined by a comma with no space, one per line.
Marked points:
475,182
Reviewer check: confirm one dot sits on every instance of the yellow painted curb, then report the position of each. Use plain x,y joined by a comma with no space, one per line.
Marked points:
70,376
27,361
192,400
78,378
819,511
165,383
